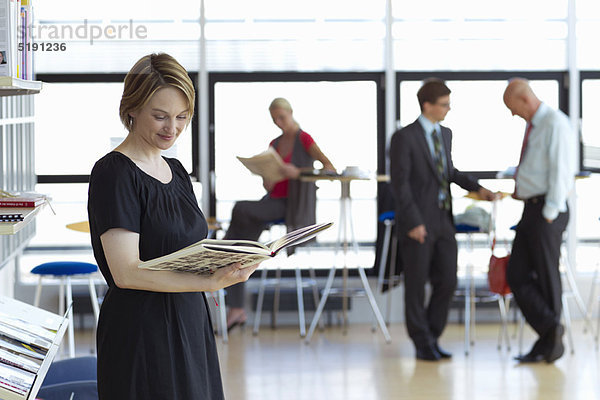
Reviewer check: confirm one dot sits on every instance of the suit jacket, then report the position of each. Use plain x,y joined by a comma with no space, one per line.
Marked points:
415,181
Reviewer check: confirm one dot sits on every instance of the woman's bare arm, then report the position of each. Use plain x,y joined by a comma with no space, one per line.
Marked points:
316,153
122,254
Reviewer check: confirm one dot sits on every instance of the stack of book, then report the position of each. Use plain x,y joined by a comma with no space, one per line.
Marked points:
16,39
17,210
28,342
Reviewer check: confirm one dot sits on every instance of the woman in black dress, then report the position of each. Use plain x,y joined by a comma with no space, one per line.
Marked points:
154,337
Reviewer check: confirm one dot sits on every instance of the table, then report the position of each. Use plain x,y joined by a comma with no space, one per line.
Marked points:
345,226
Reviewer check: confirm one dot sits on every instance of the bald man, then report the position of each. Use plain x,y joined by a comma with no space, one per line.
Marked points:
543,179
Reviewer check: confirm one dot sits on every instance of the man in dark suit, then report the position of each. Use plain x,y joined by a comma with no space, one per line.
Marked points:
421,173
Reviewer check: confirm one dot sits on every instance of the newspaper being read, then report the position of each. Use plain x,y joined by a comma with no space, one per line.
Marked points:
266,164
208,255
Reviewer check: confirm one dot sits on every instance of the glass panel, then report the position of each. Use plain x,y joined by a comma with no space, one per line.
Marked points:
72,134
340,116
590,103
485,135
479,35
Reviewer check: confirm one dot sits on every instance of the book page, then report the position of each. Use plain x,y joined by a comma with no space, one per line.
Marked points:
203,261
266,164
298,236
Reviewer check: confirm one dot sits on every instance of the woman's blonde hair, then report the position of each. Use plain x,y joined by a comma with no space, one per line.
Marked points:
149,74
280,102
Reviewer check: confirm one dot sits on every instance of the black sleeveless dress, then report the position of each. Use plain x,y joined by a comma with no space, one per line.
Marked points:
151,345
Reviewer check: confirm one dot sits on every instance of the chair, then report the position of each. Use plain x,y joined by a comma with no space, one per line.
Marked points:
65,270
71,378
389,241
219,296
593,299
299,284
472,296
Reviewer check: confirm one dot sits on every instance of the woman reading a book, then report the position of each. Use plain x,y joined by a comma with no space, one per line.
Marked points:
289,199
154,337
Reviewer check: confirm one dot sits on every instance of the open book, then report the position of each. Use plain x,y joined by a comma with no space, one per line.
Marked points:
208,255
266,164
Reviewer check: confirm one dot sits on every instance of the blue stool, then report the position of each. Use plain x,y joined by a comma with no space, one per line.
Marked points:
65,270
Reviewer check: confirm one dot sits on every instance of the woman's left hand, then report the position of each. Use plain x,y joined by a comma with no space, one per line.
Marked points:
232,274
290,171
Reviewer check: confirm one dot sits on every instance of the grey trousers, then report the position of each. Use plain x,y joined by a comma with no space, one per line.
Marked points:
248,220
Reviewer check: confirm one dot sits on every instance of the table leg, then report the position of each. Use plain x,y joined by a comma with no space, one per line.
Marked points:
321,306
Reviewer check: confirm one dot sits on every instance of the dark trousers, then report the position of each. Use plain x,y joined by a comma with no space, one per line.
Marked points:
433,261
248,220
533,273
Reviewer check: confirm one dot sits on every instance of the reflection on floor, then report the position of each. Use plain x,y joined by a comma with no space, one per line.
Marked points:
277,364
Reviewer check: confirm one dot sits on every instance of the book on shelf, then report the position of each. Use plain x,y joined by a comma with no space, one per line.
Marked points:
16,40
22,201
20,361
29,340
266,164
9,228
11,217
208,255
16,380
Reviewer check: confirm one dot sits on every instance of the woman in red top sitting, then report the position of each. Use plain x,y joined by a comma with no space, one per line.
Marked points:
288,199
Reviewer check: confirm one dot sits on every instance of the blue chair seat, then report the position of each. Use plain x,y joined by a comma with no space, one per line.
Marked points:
386,216
465,228
60,268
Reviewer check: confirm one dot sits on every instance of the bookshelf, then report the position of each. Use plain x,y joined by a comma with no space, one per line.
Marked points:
10,86
29,320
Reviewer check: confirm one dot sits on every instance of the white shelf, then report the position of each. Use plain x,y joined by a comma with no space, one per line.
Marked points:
10,228
10,86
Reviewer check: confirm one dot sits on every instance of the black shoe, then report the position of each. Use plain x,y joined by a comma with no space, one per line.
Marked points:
556,348
536,354
428,353
529,358
442,352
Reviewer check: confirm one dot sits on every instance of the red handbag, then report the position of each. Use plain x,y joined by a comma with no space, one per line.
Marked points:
497,275
497,267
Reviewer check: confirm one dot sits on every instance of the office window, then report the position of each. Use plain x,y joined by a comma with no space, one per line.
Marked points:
77,123
590,103
340,116
588,213
485,135
479,35
112,35
269,35
588,31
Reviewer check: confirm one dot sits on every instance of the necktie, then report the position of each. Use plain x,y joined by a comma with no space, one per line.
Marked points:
523,148
439,164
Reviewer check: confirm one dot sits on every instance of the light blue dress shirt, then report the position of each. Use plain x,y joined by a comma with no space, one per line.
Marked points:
550,161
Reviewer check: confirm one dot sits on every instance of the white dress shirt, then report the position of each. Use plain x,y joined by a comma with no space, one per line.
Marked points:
550,161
